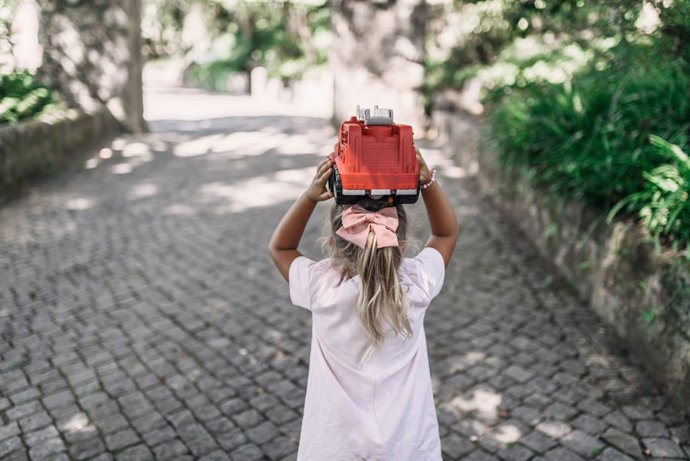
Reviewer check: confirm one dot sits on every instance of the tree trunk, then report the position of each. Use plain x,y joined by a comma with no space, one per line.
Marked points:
378,58
92,55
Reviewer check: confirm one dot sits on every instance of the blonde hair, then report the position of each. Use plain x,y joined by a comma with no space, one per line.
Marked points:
382,296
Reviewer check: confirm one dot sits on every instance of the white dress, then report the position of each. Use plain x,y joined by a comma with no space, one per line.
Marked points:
381,409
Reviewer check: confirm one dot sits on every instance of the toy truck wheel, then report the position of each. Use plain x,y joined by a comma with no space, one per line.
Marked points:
336,183
331,184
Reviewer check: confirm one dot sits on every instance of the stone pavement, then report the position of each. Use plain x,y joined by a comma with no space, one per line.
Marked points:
141,316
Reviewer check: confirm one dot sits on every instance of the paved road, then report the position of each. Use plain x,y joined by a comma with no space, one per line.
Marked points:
141,317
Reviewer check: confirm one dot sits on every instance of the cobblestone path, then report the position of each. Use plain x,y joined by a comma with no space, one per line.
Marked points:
141,317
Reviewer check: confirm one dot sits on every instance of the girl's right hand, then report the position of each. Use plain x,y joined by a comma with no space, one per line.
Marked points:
317,192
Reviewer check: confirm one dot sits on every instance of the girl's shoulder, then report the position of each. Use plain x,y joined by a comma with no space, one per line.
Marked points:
309,272
426,271
307,278
428,258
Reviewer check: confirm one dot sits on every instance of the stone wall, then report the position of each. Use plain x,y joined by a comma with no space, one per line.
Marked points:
34,148
92,55
377,57
643,295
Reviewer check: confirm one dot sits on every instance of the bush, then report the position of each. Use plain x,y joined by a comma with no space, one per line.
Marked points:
589,138
663,204
466,39
214,75
287,38
21,96
575,91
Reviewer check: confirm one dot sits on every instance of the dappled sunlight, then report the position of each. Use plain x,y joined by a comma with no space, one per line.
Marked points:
553,429
78,423
506,433
483,402
103,154
142,191
447,165
118,144
137,149
296,145
464,361
598,359
127,152
178,210
122,168
480,417
196,147
260,191
91,163
80,203
300,176
158,145
248,144
135,153
242,144
473,427
272,129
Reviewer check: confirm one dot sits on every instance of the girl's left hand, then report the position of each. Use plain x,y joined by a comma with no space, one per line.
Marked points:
424,172
317,192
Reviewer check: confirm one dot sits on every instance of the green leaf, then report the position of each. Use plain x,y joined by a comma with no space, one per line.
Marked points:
650,315
668,147
550,230
585,265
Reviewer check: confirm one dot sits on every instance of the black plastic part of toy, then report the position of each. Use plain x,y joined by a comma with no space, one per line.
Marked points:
408,199
335,185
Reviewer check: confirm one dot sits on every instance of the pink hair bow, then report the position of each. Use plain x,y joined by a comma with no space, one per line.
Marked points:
358,221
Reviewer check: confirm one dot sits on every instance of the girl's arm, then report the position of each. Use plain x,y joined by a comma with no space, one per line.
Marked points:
286,237
444,225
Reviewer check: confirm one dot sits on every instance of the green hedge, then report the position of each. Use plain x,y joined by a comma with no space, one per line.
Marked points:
606,137
21,96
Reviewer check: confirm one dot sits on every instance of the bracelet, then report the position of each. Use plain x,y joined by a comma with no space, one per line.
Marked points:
431,180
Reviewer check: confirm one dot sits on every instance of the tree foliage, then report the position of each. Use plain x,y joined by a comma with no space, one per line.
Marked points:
284,36
613,130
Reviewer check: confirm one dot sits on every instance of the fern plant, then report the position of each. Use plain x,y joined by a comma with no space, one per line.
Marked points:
662,205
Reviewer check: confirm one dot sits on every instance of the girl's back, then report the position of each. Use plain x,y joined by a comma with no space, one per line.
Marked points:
363,402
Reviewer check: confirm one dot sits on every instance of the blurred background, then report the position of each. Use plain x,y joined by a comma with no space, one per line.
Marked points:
573,89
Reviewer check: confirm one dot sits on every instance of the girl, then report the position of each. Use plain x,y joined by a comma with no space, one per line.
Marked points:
369,393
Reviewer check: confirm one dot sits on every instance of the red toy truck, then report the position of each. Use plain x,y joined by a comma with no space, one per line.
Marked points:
375,161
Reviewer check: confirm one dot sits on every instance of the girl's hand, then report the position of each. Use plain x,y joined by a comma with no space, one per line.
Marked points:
286,237
424,172
317,192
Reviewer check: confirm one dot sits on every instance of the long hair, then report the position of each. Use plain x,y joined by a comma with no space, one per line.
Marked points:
382,296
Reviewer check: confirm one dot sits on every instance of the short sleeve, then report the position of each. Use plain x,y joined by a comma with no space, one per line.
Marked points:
300,280
427,271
